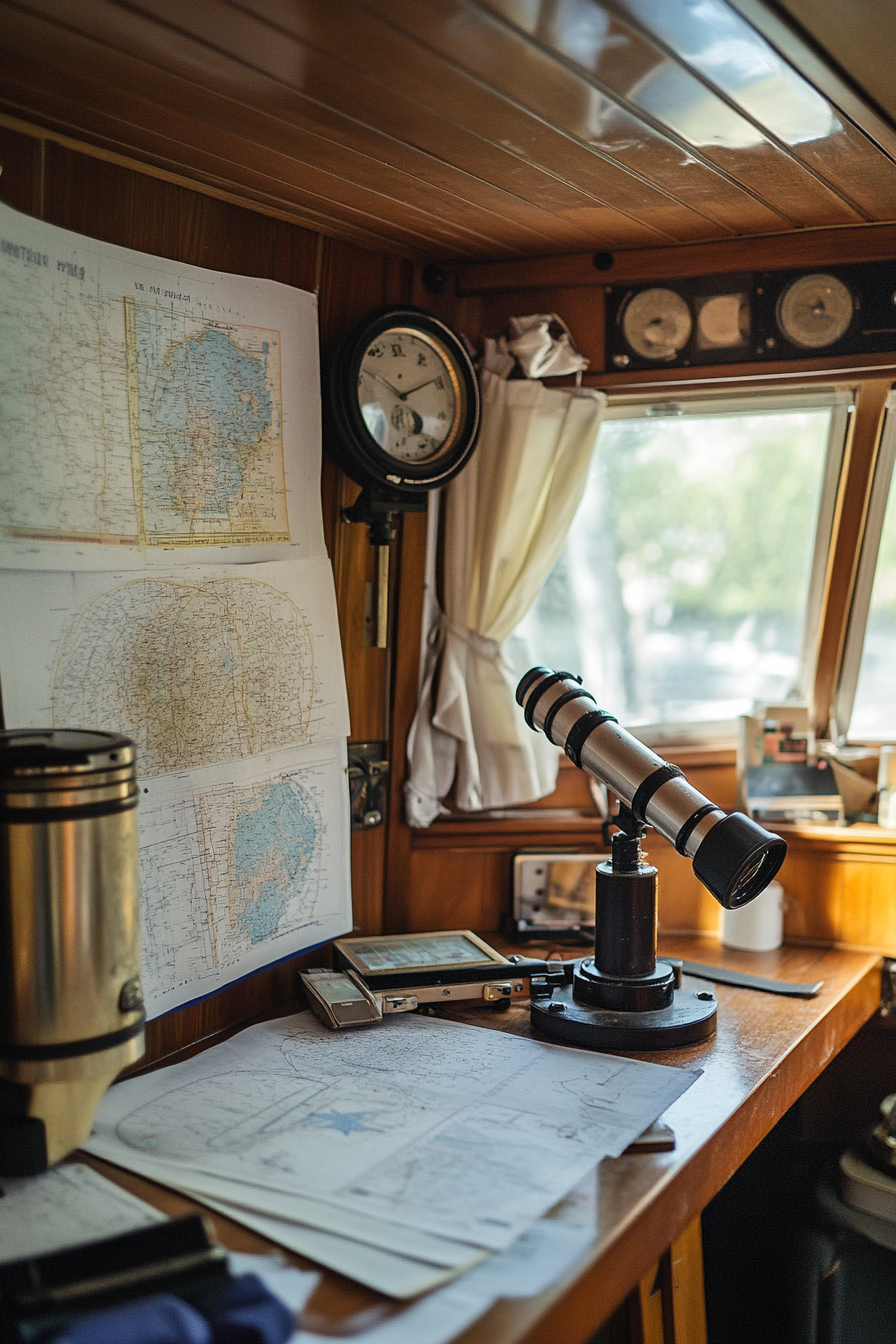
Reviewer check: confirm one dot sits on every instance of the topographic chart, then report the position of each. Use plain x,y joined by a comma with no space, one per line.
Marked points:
194,672
199,666
204,417
229,680
149,407
240,867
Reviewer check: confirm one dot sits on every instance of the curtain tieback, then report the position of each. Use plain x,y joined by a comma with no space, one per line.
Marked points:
481,644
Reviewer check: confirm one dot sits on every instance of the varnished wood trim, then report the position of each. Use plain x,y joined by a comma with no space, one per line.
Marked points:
862,839
849,524
772,251
743,377
259,204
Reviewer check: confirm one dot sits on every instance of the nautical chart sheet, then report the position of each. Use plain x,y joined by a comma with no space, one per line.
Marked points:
229,680
152,413
462,1132
196,665
241,864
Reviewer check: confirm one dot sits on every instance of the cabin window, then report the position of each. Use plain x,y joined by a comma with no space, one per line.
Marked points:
691,581
865,706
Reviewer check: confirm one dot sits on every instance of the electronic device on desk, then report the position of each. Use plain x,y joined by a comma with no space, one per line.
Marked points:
623,998
553,893
397,973
782,791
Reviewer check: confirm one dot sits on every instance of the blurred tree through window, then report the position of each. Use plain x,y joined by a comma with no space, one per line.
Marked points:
685,589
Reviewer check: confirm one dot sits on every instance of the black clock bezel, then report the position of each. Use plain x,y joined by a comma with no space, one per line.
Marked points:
349,439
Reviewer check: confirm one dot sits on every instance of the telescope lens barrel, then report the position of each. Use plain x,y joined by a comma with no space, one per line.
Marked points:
733,856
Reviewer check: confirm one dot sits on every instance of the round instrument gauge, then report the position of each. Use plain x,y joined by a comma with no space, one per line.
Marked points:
815,311
657,323
405,401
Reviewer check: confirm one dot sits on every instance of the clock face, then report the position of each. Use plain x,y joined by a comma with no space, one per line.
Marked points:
403,410
410,397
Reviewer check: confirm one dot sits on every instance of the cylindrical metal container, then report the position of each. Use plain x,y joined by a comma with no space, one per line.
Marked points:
71,1005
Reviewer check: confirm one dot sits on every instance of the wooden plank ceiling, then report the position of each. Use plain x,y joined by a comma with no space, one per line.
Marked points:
446,129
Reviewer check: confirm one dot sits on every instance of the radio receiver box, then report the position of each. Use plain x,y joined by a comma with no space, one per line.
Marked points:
553,891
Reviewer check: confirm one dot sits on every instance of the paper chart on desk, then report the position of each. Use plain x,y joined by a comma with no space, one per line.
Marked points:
404,1123
153,412
379,1268
64,1207
541,1257
308,1212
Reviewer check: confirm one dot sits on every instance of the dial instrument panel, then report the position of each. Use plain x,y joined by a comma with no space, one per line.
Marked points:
746,317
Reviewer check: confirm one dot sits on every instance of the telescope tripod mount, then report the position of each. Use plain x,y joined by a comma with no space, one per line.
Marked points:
622,998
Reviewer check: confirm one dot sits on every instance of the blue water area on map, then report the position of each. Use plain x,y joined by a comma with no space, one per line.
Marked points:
209,402
273,846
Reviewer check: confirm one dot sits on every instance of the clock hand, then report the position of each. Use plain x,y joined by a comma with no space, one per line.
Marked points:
404,395
380,379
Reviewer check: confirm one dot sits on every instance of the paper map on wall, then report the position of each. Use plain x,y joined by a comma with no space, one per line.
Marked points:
149,408
156,418
240,865
199,665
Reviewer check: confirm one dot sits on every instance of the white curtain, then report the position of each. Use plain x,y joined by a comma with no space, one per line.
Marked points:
506,519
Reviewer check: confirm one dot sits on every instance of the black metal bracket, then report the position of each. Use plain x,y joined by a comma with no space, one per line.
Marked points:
368,773
377,508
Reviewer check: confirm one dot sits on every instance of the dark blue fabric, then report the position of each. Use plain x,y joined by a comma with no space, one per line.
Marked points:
244,1313
156,1320
248,1314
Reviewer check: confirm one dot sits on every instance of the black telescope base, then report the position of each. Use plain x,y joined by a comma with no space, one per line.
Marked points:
689,1018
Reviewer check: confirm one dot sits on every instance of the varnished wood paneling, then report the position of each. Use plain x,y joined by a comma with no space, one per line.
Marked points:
841,889
21,171
638,51
864,48
510,57
451,130
180,125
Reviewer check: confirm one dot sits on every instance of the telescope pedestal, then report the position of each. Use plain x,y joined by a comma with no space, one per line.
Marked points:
622,998
689,1018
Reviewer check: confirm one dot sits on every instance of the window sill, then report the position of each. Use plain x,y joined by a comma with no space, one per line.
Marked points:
542,827
864,838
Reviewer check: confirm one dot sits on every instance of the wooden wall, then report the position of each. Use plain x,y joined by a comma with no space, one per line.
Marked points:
135,209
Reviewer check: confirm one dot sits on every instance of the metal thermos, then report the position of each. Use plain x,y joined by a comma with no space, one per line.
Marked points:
71,1005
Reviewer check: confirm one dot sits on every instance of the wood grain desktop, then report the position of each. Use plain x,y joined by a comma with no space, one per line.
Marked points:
766,1053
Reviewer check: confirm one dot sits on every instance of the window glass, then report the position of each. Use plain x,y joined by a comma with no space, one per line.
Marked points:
695,560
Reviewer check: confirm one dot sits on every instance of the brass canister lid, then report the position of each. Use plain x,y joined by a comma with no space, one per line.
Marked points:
29,753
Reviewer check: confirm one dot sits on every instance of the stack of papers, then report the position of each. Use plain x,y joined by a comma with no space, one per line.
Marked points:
401,1155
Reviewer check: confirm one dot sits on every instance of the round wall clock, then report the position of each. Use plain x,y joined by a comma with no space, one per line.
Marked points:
404,401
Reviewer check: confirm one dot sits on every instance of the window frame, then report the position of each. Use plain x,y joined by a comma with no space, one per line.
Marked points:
866,569
717,400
